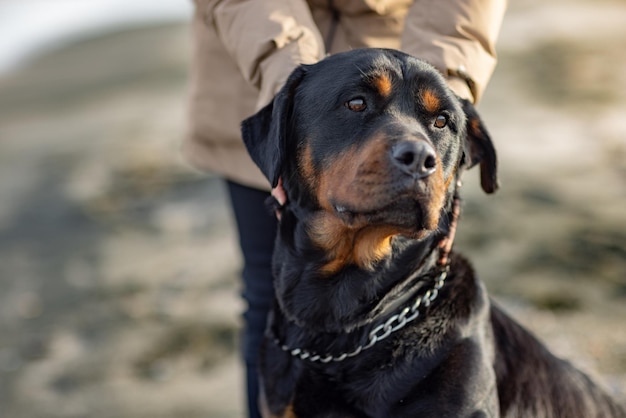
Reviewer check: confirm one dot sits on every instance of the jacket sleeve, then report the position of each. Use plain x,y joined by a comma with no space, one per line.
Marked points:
267,39
458,37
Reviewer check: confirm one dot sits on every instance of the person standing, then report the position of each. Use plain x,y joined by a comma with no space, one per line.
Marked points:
244,50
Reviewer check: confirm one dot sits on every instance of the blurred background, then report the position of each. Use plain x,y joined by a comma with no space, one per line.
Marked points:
119,294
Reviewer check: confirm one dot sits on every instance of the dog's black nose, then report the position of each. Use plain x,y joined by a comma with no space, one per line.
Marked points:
416,158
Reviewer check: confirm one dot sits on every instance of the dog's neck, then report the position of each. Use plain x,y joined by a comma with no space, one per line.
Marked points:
319,334
353,297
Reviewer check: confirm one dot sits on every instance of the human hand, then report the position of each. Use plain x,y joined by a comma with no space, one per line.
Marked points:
281,197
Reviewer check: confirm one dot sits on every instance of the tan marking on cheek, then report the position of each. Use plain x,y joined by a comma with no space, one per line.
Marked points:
307,168
436,197
383,85
431,101
354,178
336,175
452,177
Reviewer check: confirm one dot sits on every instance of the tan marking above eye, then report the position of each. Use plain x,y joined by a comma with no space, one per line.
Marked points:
383,85
306,167
356,105
441,121
430,101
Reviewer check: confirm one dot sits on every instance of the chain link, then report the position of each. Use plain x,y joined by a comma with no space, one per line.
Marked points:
380,332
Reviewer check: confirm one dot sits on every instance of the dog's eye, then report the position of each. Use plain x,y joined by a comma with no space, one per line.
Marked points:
356,105
441,121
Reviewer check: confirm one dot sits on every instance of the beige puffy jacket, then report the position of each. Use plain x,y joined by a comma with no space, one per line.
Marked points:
245,49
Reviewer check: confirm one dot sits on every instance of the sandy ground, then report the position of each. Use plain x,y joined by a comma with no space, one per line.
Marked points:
118,264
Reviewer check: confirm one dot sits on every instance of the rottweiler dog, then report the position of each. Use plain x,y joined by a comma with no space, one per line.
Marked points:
374,315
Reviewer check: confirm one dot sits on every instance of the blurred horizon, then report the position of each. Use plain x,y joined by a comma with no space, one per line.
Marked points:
29,28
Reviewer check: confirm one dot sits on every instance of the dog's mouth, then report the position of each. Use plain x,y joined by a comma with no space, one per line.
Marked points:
410,215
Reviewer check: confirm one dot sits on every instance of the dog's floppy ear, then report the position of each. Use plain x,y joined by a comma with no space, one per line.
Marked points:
265,132
479,149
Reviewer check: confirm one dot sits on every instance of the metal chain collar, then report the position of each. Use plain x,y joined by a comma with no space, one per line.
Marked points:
380,332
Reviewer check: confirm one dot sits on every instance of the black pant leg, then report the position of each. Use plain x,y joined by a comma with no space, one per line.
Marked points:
257,232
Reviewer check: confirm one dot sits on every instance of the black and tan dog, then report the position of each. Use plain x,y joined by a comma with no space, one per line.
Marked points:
374,316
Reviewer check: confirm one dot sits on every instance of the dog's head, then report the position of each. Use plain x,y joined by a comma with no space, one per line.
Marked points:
371,140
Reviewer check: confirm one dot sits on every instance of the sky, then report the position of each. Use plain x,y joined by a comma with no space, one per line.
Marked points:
30,26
